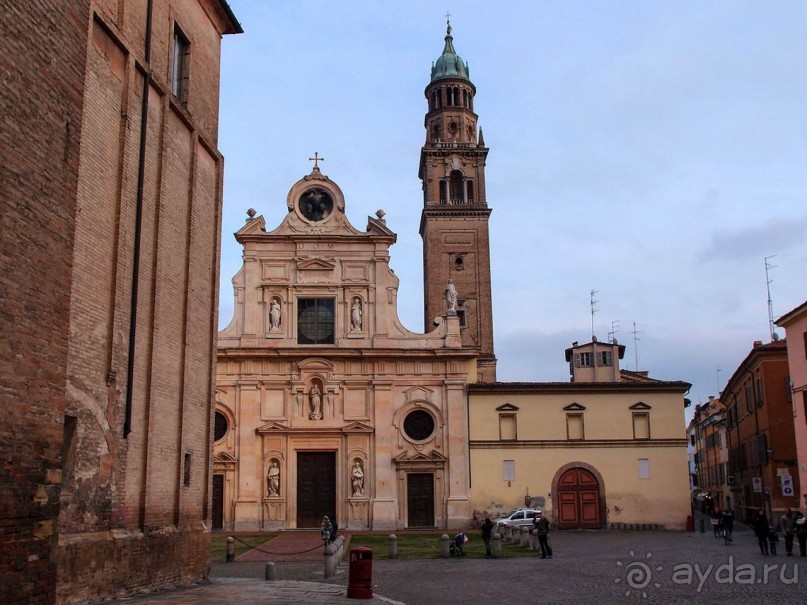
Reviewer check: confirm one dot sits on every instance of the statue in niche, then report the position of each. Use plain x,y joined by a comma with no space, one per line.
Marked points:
358,479
273,479
451,297
315,398
274,315
355,315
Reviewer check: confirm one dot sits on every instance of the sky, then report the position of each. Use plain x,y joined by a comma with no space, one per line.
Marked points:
655,152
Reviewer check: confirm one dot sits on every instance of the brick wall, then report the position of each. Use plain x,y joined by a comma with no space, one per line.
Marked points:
42,52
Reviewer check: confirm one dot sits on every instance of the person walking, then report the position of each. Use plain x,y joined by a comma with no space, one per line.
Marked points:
715,521
773,539
801,533
487,534
787,523
325,530
541,525
760,526
727,522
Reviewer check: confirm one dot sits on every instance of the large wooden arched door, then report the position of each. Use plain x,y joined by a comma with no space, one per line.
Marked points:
578,500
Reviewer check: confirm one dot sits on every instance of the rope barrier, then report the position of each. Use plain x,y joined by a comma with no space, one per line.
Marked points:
269,552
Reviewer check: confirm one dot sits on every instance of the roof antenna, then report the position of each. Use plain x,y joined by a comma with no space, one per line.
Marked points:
717,372
612,333
774,335
593,311
636,339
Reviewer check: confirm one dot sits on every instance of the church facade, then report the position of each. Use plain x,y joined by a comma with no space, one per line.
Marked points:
327,405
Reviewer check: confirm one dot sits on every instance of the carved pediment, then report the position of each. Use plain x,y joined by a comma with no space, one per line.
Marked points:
417,393
272,427
224,458
357,427
507,407
316,264
408,456
315,363
574,407
254,226
639,406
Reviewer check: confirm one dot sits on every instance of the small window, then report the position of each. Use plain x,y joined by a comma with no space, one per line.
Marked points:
187,473
805,345
644,468
462,317
641,425
583,360
315,321
507,427
509,470
574,426
180,65
606,358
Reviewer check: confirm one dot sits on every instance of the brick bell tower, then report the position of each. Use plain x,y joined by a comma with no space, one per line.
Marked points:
454,223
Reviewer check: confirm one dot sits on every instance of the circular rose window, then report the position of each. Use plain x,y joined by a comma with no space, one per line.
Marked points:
220,427
419,425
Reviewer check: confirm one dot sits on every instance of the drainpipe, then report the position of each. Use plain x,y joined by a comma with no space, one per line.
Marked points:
141,177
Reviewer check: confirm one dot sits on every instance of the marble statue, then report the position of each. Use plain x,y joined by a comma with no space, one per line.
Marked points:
316,403
355,315
274,316
273,480
358,479
451,297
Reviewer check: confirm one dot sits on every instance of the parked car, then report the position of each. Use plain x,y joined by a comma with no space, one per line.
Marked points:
519,517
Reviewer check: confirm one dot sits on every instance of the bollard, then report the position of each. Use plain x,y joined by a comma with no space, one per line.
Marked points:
497,545
393,546
444,550
534,540
508,533
360,580
524,536
269,572
231,549
703,528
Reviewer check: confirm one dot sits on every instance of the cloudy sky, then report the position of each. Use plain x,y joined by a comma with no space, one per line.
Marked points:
653,151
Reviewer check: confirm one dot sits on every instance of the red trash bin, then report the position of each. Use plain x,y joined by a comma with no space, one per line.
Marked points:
360,580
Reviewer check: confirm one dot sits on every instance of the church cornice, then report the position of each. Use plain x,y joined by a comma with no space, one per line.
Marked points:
531,388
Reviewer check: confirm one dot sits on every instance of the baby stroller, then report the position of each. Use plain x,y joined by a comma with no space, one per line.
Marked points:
456,548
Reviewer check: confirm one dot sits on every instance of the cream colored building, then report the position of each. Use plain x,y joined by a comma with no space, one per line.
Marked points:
326,404
589,454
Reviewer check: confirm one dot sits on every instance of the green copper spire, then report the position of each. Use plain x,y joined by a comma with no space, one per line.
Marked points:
450,64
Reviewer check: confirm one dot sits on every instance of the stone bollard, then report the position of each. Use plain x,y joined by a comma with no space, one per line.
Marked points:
444,551
393,546
534,540
508,533
524,538
230,549
269,571
497,545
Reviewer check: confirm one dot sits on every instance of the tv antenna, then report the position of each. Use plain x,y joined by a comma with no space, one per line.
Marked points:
717,373
636,340
769,266
614,330
593,311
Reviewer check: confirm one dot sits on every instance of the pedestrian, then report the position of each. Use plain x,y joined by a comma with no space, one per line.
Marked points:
541,525
715,521
773,539
801,533
325,530
334,528
727,522
787,523
487,533
760,526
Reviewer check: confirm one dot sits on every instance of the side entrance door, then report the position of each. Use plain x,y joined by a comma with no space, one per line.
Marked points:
316,487
218,501
420,499
578,500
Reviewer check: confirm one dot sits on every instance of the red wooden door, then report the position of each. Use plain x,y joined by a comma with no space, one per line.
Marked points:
578,500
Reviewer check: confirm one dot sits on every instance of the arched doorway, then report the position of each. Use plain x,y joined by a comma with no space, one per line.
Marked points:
579,501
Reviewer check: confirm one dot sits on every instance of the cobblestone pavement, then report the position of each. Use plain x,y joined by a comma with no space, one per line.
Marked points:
589,567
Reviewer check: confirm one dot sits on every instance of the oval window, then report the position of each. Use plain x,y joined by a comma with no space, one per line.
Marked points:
220,427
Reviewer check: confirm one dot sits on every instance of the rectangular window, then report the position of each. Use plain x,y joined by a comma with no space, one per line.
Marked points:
583,360
760,398
749,399
805,345
68,446
509,470
804,396
644,468
507,427
606,358
574,426
315,321
461,317
187,474
641,425
180,65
